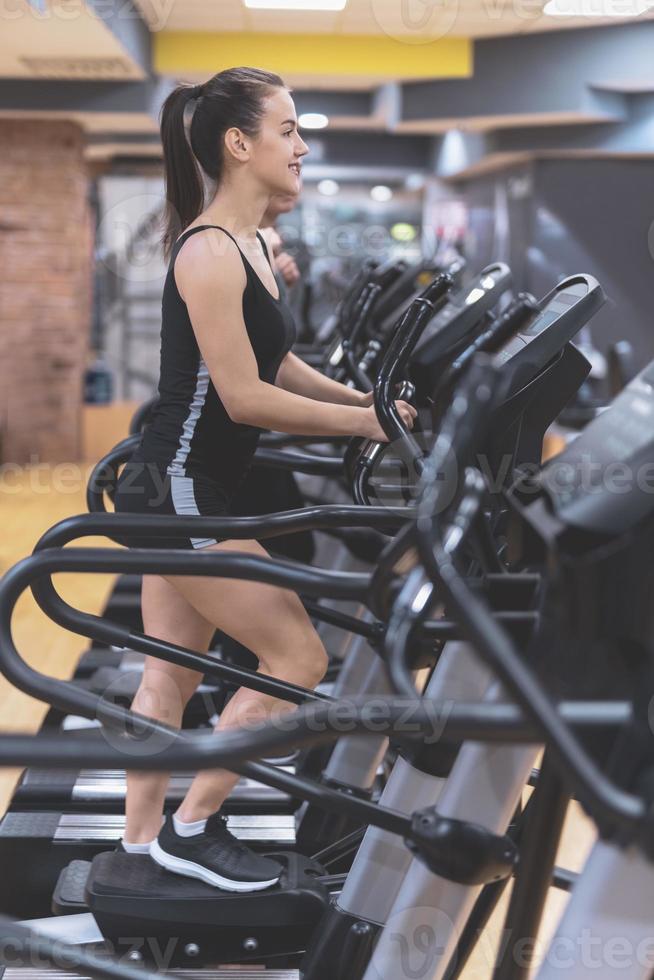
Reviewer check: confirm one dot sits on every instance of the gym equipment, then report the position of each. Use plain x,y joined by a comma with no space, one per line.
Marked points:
542,347
630,809
538,370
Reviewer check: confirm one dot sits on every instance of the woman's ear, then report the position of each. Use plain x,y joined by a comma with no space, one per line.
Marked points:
237,144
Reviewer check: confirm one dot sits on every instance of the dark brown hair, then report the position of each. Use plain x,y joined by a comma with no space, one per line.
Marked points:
232,98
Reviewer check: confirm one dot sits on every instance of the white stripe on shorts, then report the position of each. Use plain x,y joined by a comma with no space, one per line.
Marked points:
183,495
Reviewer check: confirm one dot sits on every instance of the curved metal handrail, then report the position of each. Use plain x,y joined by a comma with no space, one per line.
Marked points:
302,578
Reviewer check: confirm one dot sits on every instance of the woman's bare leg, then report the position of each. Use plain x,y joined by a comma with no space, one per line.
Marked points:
273,624
163,694
186,610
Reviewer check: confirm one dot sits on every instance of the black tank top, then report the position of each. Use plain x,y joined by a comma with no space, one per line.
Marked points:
191,433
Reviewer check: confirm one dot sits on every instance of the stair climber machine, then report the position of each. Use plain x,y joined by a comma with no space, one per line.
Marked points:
81,812
579,542
72,814
110,898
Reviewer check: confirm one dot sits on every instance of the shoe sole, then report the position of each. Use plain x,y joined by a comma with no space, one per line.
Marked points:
190,869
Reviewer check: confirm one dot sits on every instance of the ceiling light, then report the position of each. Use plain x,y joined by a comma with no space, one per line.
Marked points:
596,8
328,188
381,193
313,120
295,4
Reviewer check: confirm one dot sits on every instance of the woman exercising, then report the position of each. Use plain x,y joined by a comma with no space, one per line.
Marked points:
226,373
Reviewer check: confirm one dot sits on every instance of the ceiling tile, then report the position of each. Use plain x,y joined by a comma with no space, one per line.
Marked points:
412,21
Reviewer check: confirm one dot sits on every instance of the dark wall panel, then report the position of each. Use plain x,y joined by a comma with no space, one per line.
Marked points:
598,215
577,215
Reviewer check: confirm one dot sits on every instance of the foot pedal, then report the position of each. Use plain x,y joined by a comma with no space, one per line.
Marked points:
130,895
69,897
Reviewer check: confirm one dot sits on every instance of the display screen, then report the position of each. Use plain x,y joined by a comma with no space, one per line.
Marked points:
549,316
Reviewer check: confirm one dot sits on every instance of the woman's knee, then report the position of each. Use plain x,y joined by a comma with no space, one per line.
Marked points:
164,695
303,661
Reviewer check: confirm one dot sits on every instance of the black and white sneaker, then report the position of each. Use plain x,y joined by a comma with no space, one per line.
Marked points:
215,856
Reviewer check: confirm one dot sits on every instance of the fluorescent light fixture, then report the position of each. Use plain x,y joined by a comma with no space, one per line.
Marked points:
313,120
295,4
381,193
596,8
328,188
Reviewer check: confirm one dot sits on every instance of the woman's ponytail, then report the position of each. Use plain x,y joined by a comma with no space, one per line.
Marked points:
232,98
183,181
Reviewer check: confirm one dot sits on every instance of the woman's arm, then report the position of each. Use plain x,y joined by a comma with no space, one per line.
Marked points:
213,292
297,376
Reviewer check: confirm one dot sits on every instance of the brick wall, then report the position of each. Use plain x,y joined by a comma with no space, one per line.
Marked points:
46,241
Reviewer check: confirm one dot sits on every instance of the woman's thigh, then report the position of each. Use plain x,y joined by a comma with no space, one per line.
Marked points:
270,621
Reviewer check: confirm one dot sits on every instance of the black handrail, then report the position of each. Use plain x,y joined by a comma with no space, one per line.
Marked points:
170,748
305,578
36,570
453,722
395,361
104,475
318,518
364,312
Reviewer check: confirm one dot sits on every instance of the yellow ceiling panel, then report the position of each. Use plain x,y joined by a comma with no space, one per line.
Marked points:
318,56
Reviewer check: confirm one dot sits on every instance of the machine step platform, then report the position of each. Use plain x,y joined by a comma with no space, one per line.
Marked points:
129,895
35,847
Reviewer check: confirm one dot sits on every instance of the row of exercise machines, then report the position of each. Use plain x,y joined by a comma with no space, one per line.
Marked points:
490,606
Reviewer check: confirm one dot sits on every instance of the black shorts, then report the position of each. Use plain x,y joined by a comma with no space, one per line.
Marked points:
146,488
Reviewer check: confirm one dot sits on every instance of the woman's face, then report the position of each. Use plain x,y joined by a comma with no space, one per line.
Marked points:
279,148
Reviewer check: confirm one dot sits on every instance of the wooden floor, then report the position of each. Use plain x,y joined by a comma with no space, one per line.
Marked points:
32,501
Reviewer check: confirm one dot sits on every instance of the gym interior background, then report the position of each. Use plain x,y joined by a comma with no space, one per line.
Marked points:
508,130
